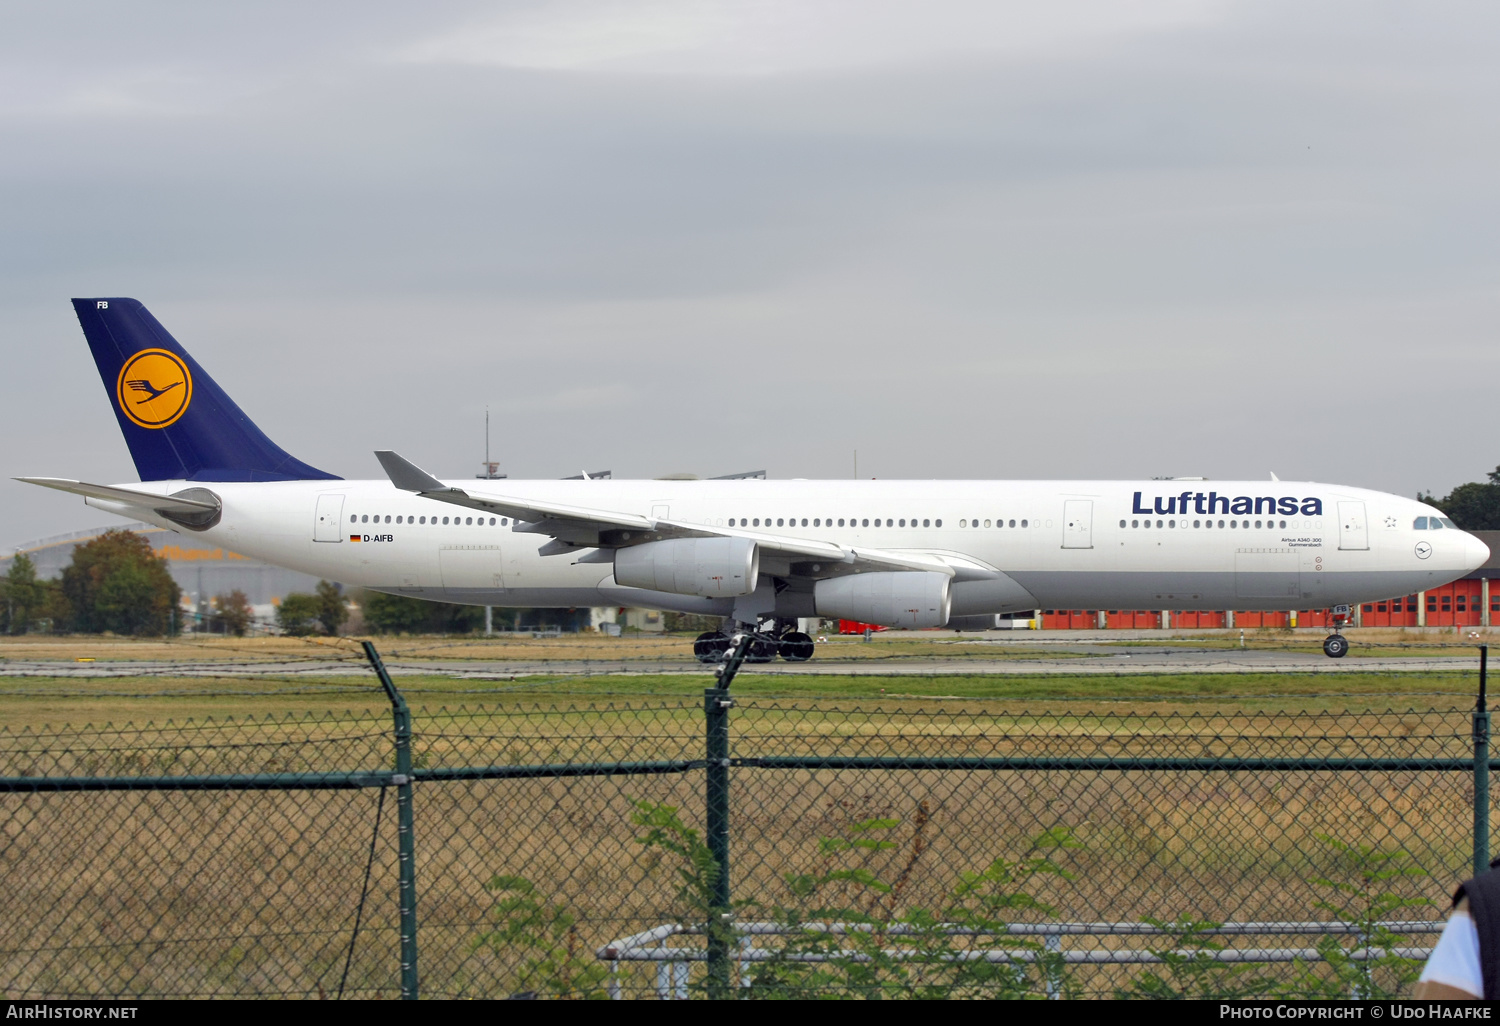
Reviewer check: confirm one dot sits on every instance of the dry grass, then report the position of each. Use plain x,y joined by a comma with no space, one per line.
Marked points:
192,893
235,893
896,645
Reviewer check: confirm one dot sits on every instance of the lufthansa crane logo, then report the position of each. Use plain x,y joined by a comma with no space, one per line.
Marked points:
154,389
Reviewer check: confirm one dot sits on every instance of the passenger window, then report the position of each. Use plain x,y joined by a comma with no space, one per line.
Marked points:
388,520
366,520
755,522
926,523
1145,524
1257,524
963,523
423,520
1158,523
841,521
1197,523
1420,524
353,518
1012,523
1023,523
445,520
937,523
1233,524
1171,524
804,521
865,524
1283,525
1122,523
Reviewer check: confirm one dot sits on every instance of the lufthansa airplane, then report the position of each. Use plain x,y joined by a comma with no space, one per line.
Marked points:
762,553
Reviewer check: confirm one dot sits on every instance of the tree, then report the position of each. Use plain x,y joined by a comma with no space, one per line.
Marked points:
401,614
333,607
22,594
232,613
1474,506
117,583
298,614
395,614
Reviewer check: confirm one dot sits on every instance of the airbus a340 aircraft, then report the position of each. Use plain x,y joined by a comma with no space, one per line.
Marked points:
763,553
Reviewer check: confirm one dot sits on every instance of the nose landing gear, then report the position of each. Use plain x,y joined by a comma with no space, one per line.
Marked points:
1336,646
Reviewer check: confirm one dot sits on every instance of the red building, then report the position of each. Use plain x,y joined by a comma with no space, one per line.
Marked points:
1470,602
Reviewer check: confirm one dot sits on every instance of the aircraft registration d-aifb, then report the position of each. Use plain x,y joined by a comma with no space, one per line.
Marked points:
764,553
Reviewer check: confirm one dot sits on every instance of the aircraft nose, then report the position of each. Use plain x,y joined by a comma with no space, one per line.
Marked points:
1476,552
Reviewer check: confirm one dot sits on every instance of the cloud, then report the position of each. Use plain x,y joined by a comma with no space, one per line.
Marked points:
969,239
780,37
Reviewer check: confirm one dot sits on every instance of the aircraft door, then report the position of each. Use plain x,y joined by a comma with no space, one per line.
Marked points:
1078,524
1352,531
467,567
328,524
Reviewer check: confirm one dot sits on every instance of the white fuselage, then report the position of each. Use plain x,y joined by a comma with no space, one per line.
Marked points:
1056,544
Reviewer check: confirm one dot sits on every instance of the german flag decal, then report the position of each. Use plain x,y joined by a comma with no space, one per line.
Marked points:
354,537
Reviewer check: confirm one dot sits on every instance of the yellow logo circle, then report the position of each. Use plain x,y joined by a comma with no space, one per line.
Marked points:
154,388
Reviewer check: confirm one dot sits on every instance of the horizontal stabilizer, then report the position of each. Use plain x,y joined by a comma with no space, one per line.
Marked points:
128,496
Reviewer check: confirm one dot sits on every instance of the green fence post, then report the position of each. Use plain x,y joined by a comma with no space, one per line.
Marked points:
1482,770
719,929
405,832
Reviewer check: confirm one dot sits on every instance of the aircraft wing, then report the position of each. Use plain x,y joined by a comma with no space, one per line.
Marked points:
127,496
576,529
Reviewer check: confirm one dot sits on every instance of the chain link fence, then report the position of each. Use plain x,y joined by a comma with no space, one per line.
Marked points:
744,848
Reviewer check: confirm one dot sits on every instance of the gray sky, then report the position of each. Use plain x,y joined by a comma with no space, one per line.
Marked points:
971,239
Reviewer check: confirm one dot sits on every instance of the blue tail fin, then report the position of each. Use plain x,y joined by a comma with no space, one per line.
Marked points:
177,422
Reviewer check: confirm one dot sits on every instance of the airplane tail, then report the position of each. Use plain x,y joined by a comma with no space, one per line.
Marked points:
177,422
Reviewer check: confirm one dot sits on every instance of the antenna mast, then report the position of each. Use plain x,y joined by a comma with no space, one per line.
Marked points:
490,466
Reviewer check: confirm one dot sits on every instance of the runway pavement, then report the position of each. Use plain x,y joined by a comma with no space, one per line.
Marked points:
1072,660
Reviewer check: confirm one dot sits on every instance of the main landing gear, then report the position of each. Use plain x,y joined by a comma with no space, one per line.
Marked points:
781,639
1335,646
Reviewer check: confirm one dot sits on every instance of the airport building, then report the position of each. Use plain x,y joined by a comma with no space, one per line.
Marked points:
201,569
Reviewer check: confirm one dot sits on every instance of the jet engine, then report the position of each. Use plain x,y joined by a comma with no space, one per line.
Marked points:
714,567
902,599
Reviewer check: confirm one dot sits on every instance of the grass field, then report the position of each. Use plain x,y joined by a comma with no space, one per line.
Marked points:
255,892
639,647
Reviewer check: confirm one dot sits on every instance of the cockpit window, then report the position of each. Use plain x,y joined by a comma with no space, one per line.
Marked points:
1448,523
1421,524
1434,523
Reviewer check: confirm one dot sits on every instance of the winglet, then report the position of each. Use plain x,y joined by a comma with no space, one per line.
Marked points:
406,475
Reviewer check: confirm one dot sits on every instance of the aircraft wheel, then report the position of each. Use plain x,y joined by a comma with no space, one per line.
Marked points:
762,650
1335,645
796,647
710,647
